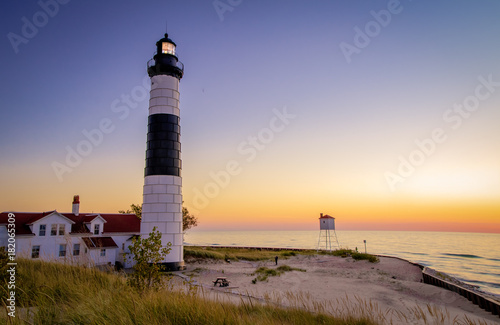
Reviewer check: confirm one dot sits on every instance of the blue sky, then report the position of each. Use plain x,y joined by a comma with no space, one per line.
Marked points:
352,119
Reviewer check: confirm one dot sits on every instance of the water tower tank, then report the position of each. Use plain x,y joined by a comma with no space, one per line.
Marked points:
326,222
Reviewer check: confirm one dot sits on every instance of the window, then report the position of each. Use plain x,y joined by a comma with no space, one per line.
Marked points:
61,229
62,250
35,252
168,48
76,249
41,232
53,230
103,252
96,229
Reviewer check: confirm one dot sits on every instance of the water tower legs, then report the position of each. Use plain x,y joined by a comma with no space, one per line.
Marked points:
328,239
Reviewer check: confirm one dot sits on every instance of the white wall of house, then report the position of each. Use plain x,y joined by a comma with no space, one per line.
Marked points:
49,249
3,236
49,243
122,243
108,258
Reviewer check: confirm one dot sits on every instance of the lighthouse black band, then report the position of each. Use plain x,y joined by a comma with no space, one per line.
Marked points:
164,145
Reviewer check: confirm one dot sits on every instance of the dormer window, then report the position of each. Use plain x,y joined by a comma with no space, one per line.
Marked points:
96,229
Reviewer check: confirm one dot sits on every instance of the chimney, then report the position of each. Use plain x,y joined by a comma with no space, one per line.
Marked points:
321,215
76,205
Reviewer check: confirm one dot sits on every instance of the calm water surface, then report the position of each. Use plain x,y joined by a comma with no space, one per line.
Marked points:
470,257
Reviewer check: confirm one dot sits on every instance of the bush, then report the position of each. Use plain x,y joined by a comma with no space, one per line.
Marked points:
264,272
363,256
147,253
355,255
286,268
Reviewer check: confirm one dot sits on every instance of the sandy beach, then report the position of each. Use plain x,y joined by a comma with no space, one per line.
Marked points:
390,290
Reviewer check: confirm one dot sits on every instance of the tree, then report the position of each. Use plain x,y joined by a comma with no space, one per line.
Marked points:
188,220
147,253
136,209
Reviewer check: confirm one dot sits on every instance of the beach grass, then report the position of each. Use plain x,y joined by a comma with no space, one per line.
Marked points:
54,293
236,253
258,254
345,252
263,272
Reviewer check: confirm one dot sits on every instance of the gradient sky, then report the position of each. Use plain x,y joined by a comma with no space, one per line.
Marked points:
353,118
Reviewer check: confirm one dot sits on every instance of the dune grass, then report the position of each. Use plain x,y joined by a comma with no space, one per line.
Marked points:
235,253
256,254
344,252
50,293
263,272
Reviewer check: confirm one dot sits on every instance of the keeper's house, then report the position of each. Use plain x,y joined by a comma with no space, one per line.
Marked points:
80,238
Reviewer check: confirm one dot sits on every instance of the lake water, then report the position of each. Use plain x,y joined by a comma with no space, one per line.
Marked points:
473,258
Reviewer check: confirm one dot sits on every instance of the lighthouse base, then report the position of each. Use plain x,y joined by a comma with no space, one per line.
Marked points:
172,266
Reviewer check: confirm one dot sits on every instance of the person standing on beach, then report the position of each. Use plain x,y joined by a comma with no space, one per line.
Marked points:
276,259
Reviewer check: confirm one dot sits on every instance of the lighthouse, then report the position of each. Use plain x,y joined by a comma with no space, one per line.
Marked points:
162,192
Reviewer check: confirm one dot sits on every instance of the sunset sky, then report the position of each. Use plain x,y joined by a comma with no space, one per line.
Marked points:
383,114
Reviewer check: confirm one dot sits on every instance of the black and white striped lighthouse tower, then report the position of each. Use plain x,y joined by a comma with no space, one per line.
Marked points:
162,195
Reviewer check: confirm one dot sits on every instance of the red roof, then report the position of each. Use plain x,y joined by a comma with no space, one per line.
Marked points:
118,222
99,242
325,216
22,220
128,223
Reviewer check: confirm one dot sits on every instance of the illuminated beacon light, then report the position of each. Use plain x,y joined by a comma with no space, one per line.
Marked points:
168,48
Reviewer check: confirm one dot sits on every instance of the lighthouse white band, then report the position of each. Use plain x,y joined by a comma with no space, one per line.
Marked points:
162,208
164,95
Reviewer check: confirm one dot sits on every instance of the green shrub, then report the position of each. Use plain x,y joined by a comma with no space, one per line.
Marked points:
286,268
264,272
355,255
363,256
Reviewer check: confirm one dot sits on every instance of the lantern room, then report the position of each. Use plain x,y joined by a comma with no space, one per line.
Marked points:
166,46
165,60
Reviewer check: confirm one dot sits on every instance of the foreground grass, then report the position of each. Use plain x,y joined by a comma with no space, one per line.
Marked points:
50,293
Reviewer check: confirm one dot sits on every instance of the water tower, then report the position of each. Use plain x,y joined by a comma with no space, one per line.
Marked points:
327,234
